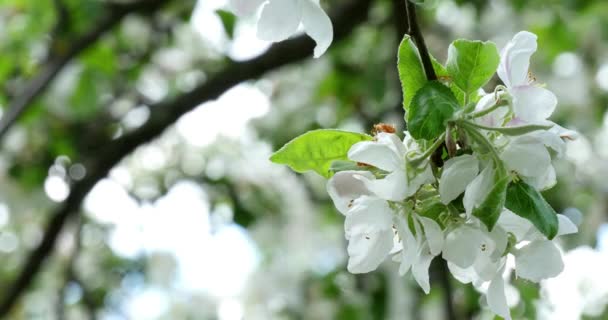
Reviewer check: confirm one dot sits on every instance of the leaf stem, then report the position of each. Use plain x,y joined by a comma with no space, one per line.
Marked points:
480,138
429,152
486,111
515,130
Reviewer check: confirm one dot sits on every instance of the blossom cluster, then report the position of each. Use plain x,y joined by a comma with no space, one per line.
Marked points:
400,204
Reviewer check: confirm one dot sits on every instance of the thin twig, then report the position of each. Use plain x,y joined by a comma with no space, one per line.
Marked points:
99,162
416,34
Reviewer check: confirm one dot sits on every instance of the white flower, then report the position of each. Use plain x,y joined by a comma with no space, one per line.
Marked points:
369,230
369,220
388,153
528,156
419,250
538,258
531,103
456,175
280,19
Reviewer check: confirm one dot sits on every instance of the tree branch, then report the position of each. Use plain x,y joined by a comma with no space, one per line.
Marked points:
416,34
99,162
57,62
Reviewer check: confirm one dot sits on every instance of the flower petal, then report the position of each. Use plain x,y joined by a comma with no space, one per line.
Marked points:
478,189
462,246
514,224
496,297
344,188
279,20
433,234
410,245
317,26
387,153
565,226
538,260
533,104
368,227
420,269
515,59
457,173
527,156
244,8
464,275
393,187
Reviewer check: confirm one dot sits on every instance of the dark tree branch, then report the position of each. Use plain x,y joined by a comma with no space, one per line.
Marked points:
63,19
416,34
164,114
58,61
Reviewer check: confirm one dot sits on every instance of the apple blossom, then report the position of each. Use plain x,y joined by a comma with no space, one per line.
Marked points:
280,19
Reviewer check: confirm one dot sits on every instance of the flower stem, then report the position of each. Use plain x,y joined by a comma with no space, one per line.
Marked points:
484,112
479,138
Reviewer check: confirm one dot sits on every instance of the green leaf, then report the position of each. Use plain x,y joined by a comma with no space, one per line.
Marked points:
432,106
228,21
411,71
471,64
528,203
317,149
491,207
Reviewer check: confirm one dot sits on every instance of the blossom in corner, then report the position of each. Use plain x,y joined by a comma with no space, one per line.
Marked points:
280,19
531,103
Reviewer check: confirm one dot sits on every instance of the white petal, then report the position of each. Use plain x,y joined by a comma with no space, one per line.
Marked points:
368,227
462,246
421,178
279,20
367,250
544,181
500,238
368,214
464,275
317,26
433,233
566,226
514,224
526,156
344,187
539,260
244,8
420,269
515,59
553,138
410,245
393,187
496,297
457,173
533,104
478,189
387,153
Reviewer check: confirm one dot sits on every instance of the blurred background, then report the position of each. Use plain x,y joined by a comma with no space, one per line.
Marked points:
135,183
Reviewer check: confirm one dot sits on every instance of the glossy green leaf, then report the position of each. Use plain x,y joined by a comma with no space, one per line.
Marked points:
432,106
471,64
317,149
411,71
528,203
491,207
